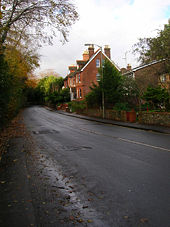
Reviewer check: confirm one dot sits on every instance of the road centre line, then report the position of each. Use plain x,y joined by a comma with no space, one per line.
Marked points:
126,140
144,144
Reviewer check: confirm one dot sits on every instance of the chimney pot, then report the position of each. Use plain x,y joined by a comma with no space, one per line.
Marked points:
91,51
129,67
107,51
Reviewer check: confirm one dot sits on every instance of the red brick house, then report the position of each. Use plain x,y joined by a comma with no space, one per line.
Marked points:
85,73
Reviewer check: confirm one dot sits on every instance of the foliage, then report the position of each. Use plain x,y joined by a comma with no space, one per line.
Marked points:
129,91
11,95
94,98
77,106
109,85
158,48
49,90
122,106
50,84
23,25
157,97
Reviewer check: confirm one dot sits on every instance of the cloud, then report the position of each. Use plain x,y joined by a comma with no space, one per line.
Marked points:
118,23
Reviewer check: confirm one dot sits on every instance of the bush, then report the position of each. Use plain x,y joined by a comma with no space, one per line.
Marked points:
157,97
121,106
77,106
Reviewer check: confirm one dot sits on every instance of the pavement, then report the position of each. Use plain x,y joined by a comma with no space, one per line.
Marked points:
154,128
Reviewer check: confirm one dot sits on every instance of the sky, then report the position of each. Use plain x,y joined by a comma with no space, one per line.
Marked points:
117,23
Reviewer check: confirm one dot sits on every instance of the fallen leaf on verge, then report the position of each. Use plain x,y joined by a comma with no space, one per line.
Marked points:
143,220
125,217
15,160
80,220
71,218
89,221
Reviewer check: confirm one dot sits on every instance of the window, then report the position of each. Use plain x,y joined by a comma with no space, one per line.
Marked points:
98,77
163,78
79,78
80,93
97,63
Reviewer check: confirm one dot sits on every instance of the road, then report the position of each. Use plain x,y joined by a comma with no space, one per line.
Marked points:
110,175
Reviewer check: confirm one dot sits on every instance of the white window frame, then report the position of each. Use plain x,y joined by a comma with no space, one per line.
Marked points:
80,93
97,63
79,78
163,78
98,77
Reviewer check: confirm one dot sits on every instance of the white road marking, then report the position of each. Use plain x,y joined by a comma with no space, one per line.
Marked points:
126,140
144,144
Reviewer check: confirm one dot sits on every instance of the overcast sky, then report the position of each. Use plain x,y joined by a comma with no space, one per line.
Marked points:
117,23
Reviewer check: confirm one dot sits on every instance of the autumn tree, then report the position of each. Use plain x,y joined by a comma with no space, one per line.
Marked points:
37,19
154,49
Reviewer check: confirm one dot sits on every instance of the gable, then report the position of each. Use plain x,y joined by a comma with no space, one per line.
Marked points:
91,59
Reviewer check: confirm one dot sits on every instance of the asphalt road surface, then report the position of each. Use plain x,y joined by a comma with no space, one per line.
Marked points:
108,175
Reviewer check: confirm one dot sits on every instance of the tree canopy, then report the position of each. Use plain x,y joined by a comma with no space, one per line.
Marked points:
23,18
157,48
110,80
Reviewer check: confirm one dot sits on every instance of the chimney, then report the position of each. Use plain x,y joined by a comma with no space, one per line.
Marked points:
86,55
91,51
129,67
72,68
107,51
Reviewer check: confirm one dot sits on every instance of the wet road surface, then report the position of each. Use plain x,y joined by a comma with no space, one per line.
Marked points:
90,174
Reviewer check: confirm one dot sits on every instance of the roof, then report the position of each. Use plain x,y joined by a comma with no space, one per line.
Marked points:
94,55
142,66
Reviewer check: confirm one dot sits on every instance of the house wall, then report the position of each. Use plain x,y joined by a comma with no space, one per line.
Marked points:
149,75
88,76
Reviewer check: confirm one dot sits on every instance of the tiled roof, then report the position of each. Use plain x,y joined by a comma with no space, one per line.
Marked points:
142,66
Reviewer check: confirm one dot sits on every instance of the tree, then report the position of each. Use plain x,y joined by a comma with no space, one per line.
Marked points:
47,73
50,90
158,97
157,48
22,18
109,84
129,91
94,97
50,84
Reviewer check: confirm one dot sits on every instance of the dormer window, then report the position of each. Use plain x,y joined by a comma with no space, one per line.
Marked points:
97,63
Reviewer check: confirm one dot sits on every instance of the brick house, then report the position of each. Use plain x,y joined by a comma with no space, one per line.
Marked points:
85,73
154,73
